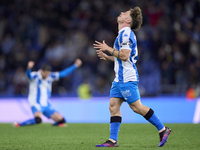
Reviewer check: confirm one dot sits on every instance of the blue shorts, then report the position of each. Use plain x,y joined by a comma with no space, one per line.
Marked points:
47,110
128,91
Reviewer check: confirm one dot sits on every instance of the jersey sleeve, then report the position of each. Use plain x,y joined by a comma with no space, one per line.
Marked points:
31,75
54,76
125,42
67,71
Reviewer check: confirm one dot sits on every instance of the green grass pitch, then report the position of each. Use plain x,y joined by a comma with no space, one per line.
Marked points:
86,136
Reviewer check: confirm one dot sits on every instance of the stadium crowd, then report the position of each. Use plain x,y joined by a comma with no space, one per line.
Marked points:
59,31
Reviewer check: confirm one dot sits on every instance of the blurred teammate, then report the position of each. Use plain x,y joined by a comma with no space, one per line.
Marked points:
125,84
40,92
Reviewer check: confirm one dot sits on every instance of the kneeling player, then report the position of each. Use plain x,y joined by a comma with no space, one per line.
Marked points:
40,91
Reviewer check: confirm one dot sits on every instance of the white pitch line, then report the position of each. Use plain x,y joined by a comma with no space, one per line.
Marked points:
196,118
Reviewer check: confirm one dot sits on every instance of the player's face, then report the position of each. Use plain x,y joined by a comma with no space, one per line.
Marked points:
124,16
45,74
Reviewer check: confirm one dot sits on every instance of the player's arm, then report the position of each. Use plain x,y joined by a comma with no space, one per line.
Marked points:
124,54
104,56
70,69
29,67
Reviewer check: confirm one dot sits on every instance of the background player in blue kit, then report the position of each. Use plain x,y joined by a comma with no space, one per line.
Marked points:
125,84
40,92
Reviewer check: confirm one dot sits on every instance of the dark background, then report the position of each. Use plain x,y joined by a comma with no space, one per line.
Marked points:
59,31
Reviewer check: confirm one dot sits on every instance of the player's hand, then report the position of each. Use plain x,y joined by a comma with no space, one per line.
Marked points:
101,54
101,46
30,64
78,62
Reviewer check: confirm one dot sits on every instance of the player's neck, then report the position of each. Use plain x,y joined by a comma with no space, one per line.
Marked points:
122,25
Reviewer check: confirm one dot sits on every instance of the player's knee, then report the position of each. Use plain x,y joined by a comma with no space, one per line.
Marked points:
111,108
114,110
38,120
135,109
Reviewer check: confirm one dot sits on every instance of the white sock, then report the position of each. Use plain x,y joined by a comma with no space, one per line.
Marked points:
112,140
163,129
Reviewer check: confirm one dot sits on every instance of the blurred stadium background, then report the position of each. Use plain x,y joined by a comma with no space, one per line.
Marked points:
59,31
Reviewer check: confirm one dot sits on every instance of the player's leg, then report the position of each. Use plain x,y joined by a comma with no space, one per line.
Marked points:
150,116
115,121
131,94
50,112
59,119
36,120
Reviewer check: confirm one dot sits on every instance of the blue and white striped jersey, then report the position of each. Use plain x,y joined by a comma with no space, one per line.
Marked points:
126,71
40,89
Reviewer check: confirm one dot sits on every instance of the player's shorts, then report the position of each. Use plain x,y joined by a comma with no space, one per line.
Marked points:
128,91
47,110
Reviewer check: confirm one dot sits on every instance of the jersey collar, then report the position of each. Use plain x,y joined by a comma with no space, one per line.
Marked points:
123,29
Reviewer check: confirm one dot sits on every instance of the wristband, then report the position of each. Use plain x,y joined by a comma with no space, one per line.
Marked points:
118,54
113,52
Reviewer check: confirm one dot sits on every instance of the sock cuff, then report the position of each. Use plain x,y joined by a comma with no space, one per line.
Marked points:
38,120
149,114
116,119
61,121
